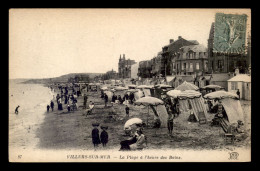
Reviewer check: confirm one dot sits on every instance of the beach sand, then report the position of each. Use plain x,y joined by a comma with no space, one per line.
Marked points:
67,131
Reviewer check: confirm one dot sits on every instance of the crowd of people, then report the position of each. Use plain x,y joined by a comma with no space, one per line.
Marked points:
138,139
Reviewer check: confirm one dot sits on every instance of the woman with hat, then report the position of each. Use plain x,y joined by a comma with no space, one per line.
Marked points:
95,135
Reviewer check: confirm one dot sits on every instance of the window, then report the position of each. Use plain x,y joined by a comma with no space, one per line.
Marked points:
220,63
206,66
233,85
197,66
191,65
194,54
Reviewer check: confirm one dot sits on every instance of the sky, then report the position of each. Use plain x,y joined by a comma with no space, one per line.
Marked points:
46,43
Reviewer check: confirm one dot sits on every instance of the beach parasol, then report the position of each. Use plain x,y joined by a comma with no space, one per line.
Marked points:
163,86
212,87
132,90
104,88
119,88
132,86
187,86
148,101
173,93
220,95
132,121
191,94
145,86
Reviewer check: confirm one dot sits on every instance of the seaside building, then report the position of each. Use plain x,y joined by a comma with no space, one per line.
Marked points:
124,67
157,66
134,71
170,52
144,69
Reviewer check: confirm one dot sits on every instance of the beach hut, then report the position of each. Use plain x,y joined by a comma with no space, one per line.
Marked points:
241,82
146,89
230,103
157,106
187,86
192,98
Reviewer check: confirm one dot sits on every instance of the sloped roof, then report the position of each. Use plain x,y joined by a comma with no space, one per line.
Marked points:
188,78
241,77
194,41
220,77
194,48
176,45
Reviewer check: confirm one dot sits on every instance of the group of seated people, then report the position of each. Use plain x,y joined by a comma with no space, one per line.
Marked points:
136,142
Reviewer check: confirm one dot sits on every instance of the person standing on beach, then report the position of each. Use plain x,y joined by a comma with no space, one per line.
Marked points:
52,106
85,101
16,109
104,136
95,136
48,108
106,99
127,111
170,123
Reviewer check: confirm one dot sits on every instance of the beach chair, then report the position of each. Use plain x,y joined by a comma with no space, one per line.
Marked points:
229,136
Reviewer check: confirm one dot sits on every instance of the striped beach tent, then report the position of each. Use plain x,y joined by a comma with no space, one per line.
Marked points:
195,100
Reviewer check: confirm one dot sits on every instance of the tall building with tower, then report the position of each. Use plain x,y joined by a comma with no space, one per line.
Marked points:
124,67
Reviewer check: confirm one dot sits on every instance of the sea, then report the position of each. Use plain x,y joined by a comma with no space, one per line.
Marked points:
33,100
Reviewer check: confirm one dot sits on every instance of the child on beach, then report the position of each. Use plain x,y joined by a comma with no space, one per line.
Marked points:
95,135
48,108
68,108
104,136
127,111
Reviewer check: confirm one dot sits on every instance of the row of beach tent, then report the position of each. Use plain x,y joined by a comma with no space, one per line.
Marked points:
187,94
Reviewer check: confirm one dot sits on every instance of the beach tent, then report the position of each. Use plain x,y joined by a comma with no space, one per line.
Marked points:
139,94
187,86
230,103
157,105
194,98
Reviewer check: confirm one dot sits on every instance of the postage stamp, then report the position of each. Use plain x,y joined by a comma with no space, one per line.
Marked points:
230,33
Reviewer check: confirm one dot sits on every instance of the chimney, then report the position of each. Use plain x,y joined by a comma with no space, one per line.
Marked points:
179,37
120,57
124,56
171,40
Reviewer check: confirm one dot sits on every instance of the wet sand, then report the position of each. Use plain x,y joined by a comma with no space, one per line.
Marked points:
67,131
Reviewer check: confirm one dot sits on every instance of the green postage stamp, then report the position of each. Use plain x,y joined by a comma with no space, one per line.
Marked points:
230,33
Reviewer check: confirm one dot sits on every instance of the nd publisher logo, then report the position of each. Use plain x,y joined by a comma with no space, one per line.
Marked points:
233,156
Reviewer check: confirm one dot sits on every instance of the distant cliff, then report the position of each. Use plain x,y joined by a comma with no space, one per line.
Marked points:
63,78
